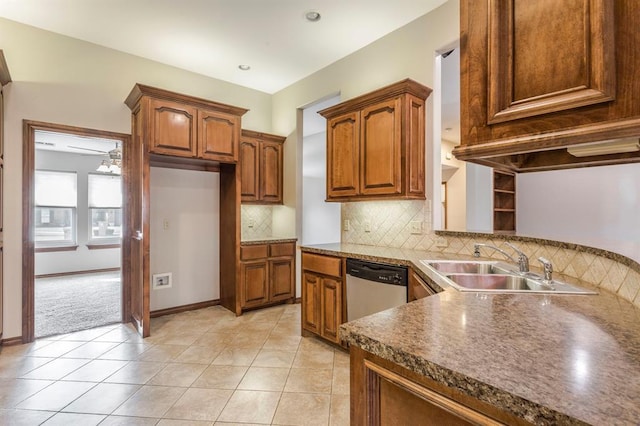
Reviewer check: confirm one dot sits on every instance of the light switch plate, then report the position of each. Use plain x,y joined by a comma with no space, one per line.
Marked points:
367,226
346,225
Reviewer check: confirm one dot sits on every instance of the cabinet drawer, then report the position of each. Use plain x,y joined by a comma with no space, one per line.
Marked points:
323,264
282,249
253,252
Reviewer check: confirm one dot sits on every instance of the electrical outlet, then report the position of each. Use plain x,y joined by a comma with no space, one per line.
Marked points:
416,227
442,242
165,224
251,223
161,281
367,226
346,225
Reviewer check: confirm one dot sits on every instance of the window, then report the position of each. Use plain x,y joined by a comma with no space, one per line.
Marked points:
105,208
56,195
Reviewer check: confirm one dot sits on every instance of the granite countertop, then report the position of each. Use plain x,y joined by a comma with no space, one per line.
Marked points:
267,240
550,359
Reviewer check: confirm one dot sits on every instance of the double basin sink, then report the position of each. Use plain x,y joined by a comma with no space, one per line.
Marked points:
490,276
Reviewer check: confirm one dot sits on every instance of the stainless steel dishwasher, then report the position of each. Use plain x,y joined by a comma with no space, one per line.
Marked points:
374,287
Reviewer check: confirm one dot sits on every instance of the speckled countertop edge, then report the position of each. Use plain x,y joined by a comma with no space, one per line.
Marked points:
267,240
520,407
560,244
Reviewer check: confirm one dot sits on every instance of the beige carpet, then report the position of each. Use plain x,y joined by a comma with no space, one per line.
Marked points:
76,302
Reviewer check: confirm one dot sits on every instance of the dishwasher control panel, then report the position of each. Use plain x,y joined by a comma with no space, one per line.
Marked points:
378,272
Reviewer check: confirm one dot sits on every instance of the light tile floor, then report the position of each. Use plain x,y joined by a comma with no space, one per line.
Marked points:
202,367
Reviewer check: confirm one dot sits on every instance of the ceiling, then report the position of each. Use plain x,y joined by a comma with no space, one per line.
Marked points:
213,37
63,142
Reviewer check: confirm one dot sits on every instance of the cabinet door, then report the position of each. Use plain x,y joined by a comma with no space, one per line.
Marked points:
381,149
311,302
271,172
281,279
173,128
331,308
343,139
254,284
418,289
218,136
249,174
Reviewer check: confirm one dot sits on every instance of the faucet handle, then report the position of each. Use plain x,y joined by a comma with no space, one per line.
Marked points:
548,268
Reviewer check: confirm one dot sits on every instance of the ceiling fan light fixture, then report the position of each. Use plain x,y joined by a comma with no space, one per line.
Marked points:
103,167
313,16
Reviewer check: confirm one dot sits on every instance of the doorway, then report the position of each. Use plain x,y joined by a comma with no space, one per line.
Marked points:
72,229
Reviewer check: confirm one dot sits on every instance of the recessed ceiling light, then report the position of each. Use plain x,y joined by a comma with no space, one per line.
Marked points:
312,16
244,67
448,129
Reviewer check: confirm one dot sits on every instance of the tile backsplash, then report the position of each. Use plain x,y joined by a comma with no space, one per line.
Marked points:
257,221
399,223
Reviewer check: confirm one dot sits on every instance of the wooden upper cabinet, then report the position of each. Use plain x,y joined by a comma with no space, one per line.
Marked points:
376,144
173,128
261,167
538,77
380,154
249,169
218,136
343,155
271,172
184,126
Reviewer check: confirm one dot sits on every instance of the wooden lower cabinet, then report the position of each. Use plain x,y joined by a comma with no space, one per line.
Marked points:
383,393
418,288
323,307
267,274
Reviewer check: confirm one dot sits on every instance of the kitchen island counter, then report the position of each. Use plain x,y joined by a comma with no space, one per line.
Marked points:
546,359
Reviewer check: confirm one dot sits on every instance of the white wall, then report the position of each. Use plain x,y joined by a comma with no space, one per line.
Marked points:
81,259
479,198
320,220
594,206
456,190
189,202
58,79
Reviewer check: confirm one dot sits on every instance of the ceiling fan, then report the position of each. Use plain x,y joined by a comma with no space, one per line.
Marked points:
113,165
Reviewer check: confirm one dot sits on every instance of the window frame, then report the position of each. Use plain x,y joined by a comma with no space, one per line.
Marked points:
56,245
105,242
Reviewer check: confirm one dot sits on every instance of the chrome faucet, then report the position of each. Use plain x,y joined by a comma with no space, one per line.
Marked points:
548,268
522,261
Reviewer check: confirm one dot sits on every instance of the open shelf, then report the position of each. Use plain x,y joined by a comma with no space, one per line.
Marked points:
504,201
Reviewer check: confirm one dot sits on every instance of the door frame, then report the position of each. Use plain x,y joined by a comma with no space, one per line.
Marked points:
29,129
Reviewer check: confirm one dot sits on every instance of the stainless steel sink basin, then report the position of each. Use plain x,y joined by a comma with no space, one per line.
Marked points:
494,277
497,282
471,267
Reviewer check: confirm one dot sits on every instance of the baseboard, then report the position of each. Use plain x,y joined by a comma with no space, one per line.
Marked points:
90,271
298,300
11,341
184,308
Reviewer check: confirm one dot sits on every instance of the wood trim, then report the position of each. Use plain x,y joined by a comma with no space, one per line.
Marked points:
11,341
103,246
140,90
375,373
263,136
297,300
54,249
89,271
171,162
29,128
5,76
184,308
390,91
